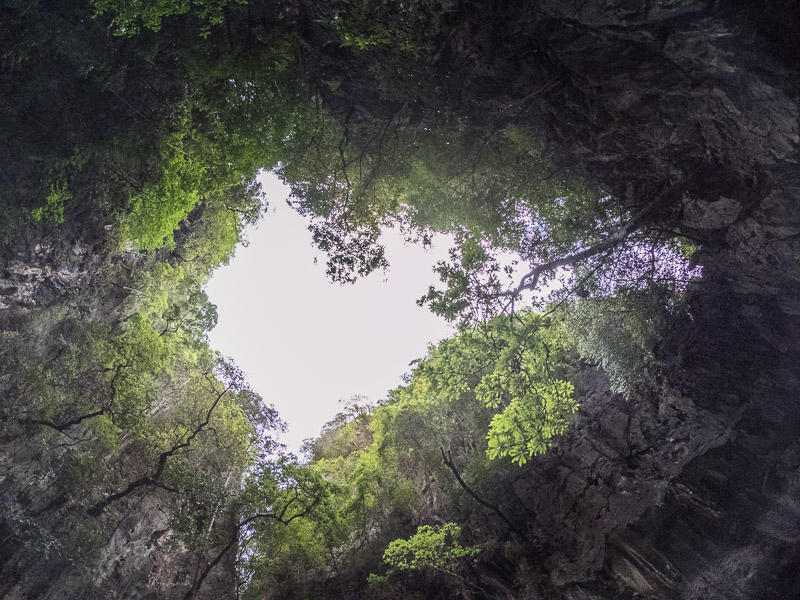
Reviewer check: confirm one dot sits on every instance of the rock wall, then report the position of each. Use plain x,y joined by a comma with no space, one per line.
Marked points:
690,489
49,548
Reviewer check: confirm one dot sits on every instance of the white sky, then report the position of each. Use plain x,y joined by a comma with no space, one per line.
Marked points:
304,342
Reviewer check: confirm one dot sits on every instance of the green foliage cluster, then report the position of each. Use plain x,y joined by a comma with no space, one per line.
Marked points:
144,129
512,366
434,548
160,206
399,27
53,209
131,17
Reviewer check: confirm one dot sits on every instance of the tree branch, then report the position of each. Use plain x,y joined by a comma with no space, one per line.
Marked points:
153,479
531,279
190,594
448,460
210,566
62,427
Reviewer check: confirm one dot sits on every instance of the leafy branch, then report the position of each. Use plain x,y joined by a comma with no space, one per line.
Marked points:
530,280
303,497
155,477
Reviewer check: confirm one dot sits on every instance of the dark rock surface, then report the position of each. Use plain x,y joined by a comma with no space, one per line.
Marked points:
691,488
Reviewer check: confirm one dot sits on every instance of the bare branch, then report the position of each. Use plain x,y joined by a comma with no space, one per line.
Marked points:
531,279
154,478
448,460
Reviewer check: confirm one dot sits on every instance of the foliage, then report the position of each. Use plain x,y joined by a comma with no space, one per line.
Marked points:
352,179
286,522
140,147
159,206
131,17
509,364
53,209
435,548
402,28
622,315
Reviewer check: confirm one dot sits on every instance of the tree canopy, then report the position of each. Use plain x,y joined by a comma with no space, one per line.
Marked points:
138,128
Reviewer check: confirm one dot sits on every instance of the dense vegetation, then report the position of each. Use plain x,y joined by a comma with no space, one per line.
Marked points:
136,130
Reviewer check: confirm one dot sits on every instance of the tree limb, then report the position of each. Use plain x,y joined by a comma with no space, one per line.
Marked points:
210,566
448,460
62,427
280,518
531,279
154,478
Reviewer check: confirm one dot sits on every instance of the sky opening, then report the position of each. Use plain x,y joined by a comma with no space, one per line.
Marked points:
304,342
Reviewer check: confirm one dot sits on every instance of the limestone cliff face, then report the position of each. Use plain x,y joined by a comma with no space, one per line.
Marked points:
685,490
692,488
39,271
49,547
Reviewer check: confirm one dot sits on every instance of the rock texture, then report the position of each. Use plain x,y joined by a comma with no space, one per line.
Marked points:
689,490
128,553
